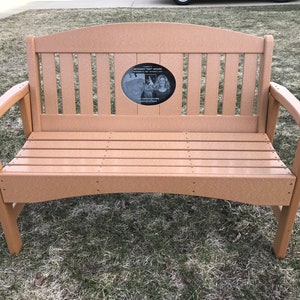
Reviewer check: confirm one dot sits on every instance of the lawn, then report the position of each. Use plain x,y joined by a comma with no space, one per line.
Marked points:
150,246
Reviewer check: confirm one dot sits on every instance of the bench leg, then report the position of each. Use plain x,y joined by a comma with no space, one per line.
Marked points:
8,220
285,227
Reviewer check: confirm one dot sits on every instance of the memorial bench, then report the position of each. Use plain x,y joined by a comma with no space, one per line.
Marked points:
150,107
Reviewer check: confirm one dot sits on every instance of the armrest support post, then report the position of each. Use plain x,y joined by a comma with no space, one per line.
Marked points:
25,109
273,110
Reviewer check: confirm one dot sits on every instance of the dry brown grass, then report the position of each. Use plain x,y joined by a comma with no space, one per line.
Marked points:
149,246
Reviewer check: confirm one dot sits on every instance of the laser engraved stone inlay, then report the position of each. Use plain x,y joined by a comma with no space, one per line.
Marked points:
148,84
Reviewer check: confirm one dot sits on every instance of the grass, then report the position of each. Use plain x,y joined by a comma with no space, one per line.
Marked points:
149,246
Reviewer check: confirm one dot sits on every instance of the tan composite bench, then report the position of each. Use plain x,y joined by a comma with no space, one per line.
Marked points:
150,107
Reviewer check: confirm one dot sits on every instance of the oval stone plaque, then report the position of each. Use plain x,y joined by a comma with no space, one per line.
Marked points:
148,84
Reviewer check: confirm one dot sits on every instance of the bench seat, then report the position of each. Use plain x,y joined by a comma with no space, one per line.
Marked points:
65,164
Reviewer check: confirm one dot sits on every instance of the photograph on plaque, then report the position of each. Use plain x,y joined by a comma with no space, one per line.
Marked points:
148,84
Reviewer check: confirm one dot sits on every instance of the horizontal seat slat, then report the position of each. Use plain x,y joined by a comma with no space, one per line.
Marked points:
146,162
148,136
148,154
150,145
151,170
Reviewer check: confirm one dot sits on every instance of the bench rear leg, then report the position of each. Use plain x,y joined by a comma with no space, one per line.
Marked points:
8,220
285,226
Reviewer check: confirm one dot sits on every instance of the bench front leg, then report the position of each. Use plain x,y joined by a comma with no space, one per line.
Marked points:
286,222
8,220
285,229
287,214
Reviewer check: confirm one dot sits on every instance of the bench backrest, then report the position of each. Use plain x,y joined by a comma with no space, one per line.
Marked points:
77,78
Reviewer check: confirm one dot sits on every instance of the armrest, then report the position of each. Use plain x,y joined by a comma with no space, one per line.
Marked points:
287,100
12,96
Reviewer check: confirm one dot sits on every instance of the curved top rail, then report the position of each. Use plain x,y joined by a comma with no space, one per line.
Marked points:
151,37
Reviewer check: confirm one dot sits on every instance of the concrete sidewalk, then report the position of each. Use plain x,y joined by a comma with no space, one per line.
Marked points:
10,7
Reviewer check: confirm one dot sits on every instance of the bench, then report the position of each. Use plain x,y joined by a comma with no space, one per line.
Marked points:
150,107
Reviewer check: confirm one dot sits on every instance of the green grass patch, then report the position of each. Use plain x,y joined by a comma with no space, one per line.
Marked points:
149,246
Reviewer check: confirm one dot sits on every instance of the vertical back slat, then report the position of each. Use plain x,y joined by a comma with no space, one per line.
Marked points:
85,83
212,84
230,84
264,82
67,83
50,83
174,63
249,83
103,84
122,63
146,109
35,80
194,84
